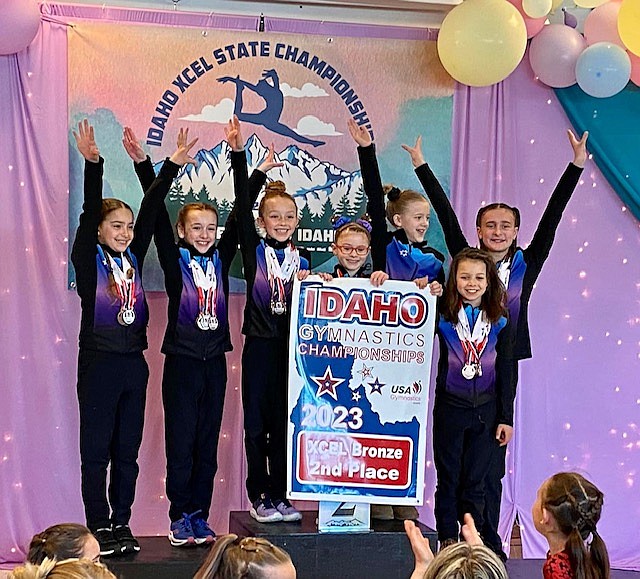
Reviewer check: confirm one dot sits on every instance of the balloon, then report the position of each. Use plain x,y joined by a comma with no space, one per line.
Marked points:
553,55
19,23
629,25
635,68
590,3
536,8
555,4
533,25
603,69
482,41
602,24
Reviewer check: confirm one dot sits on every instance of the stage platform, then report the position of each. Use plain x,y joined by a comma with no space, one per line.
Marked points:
383,553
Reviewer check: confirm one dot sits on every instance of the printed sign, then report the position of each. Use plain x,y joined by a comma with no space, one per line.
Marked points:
359,368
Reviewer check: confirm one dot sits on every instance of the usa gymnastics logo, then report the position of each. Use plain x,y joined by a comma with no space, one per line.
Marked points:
407,393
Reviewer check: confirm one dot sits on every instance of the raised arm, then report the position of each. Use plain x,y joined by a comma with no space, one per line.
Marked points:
540,246
506,378
84,246
141,161
153,199
453,236
372,184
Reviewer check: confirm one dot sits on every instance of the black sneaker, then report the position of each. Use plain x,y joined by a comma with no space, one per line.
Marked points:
109,547
128,543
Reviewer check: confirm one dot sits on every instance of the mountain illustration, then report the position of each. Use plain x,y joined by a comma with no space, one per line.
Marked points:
311,181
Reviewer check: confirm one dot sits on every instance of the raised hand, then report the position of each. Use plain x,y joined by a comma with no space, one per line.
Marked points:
417,158
359,133
469,531
86,142
181,156
233,134
422,553
579,148
270,161
132,146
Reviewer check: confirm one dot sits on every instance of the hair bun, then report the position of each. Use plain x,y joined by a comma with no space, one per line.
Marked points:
393,194
277,186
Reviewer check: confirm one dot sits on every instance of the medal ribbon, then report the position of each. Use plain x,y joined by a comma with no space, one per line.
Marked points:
281,273
206,284
473,343
504,271
124,278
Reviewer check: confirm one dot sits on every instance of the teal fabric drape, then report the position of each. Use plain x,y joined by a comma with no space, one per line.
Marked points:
614,136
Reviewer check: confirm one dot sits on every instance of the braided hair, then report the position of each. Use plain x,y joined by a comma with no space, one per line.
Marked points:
576,506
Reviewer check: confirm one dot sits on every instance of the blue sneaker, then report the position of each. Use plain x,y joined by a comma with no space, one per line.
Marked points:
201,530
181,533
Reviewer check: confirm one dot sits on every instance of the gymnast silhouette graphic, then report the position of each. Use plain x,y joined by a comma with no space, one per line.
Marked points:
268,87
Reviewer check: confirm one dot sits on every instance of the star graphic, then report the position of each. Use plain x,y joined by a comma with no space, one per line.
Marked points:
376,386
404,252
366,371
327,384
355,396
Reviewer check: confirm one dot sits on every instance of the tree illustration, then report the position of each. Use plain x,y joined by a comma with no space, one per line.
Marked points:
358,205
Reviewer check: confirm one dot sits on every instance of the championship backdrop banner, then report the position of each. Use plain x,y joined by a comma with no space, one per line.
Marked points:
296,91
359,367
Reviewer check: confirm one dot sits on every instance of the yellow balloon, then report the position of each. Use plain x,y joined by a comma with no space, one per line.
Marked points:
590,3
482,41
629,25
536,8
555,4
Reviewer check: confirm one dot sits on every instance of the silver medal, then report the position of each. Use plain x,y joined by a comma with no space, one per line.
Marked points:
278,308
469,371
213,323
203,321
126,317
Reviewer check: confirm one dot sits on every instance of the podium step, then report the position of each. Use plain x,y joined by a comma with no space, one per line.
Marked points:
383,553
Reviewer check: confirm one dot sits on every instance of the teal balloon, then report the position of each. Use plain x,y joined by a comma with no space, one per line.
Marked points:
603,69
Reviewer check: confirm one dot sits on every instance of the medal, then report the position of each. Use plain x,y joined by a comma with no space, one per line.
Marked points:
203,321
278,308
469,371
281,274
126,317
206,283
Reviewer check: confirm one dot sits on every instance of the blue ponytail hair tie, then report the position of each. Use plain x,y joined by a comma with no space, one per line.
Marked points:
343,220
364,223
340,221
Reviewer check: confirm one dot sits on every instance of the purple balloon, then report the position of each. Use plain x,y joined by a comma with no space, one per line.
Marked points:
569,19
19,24
553,54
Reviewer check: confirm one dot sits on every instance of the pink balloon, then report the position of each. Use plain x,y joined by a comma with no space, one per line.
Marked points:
601,25
534,25
553,54
635,68
19,23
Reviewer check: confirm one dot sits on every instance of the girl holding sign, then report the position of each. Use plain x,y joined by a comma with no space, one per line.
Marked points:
196,272
270,265
108,254
474,388
497,227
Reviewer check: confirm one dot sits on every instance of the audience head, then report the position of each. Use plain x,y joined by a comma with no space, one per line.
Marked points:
464,561
64,569
64,541
250,558
568,507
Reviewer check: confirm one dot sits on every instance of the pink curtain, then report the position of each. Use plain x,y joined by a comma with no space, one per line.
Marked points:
578,398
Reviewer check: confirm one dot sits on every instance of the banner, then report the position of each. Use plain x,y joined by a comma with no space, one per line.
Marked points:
359,368
295,91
